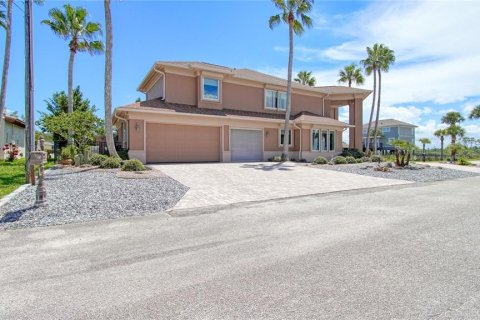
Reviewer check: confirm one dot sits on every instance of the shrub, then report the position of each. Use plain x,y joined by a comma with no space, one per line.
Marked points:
359,160
366,159
463,161
110,163
376,158
133,165
275,159
339,160
320,160
123,154
350,159
351,153
68,152
97,159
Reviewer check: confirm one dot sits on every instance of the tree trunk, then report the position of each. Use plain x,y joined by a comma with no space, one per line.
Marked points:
108,81
6,64
289,96
441,148
70,91
367,146
378,109
452,154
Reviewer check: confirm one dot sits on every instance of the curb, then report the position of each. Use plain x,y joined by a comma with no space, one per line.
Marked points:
9,196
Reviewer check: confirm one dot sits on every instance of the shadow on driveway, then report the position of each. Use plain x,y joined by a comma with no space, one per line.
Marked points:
267,167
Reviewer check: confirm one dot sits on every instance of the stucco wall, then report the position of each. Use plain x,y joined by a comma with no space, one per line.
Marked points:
156,91
181,89
13,133
136,134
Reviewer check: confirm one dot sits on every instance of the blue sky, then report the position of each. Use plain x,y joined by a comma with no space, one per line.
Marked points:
435,42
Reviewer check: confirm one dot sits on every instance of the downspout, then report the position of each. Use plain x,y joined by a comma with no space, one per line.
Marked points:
126,125
164,81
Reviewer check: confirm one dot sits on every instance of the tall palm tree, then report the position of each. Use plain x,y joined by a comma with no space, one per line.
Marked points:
387,58
6,22
294,14
108,81
424,142
441,133
305,78
3,17
371,64
72,25
475,114
351,73
453,119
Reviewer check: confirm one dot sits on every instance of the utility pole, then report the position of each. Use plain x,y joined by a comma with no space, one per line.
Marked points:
29,100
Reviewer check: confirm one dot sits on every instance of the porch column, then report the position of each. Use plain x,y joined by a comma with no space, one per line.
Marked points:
355,108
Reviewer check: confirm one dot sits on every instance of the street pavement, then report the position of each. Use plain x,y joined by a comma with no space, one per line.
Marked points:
401,252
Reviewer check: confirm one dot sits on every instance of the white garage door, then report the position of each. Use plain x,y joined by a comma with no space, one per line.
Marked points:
246,145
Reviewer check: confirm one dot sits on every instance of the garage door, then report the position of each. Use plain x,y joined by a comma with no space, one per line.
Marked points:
246,145
180,143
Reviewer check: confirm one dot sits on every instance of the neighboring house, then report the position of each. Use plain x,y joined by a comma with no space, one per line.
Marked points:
13,132
391,130
200,112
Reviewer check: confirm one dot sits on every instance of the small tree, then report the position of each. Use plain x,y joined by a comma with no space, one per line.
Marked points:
453,119
403,152
424,142
85,124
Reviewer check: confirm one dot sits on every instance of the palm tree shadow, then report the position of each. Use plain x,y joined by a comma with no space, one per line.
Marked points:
266,167
14,216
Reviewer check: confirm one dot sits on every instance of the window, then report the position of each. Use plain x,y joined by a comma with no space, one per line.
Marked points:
332,140
282,137
315,140
384,130
324,140
210,89
275,100
364,131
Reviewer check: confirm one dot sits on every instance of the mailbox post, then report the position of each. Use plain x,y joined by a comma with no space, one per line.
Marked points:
39,158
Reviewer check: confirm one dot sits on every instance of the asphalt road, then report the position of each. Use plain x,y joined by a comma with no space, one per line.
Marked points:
399,253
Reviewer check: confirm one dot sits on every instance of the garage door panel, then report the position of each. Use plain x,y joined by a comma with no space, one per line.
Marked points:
246,145
181,143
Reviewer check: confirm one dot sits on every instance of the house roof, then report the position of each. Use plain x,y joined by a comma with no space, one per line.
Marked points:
161,105
248,74
391,123
15,121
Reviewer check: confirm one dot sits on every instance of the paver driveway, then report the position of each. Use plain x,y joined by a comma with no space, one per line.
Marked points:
214,184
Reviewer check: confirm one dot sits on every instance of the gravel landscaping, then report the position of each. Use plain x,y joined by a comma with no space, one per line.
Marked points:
417,173
94,194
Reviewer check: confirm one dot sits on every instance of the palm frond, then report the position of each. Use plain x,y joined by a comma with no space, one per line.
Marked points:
274,21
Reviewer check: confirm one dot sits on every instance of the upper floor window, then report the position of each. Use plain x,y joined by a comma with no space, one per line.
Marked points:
384,130
210,89
275,100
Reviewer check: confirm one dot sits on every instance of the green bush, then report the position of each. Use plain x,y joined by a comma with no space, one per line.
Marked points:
376,158
275,159
351,153
350,159
97,159
110,163
320,160
366,159
359,160
68,152
123,154
463,161
339,160
133,165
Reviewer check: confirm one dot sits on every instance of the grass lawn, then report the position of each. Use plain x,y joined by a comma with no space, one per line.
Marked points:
12,175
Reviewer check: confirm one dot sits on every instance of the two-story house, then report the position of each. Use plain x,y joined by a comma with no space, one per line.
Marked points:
200,112
390,129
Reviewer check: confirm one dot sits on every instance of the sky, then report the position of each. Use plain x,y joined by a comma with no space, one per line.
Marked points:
435,42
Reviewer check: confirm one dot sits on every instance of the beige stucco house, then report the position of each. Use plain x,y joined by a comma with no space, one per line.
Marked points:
13,132
200,112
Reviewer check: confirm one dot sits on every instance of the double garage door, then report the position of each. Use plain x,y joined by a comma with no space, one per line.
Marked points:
181,143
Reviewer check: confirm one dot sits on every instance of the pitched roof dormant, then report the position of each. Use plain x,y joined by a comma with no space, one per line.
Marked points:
248,74
391,123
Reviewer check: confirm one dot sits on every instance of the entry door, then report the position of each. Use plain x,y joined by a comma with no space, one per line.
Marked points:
246,145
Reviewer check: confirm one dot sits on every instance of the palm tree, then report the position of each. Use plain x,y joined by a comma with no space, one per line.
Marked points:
294,14
441,133
6,22
371,64
351,73
108,81
475,114
453,119
305,78
72,25
3,19
387,58
424,142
